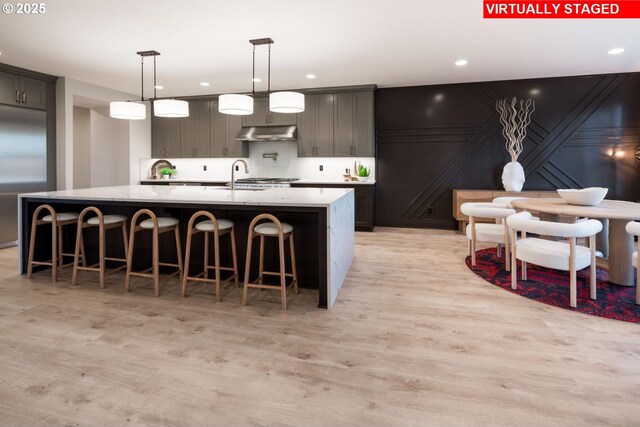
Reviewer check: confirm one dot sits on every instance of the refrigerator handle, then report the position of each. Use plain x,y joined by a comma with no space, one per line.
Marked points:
24,97
18,96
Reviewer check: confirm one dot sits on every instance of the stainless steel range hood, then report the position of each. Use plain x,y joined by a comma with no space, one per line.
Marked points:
268,133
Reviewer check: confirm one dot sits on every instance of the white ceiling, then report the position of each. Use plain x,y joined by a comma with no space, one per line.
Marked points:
343,42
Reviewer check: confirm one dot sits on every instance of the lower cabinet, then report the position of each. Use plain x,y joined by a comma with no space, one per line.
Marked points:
365,200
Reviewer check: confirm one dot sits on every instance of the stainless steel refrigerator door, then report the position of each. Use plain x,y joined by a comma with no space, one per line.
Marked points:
23,163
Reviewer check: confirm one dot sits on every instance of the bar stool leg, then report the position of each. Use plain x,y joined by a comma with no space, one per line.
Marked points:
206,254
83,253
156,264
127,279
294,271
60,257
76,257
179,251
245,291
187,260
101,253
216,259
261,267
234,256
125,242
283,277
32,242
54,254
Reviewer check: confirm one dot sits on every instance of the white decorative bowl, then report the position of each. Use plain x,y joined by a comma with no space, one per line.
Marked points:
586,197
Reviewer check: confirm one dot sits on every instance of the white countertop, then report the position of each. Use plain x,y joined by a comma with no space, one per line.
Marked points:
301,181
334,181
303,197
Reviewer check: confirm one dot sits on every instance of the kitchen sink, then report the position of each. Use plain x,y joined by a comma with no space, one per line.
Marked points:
240,189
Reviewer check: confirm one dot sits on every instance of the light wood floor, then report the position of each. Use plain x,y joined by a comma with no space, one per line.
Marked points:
415,339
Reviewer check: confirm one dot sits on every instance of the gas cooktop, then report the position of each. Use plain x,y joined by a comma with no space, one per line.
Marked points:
266,180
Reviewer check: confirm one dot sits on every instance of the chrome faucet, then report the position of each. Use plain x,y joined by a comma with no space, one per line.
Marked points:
233,171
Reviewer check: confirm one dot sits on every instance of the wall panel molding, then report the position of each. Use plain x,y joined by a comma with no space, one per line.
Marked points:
432,139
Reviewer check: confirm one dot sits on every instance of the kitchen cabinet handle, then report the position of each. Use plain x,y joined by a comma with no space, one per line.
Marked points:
24,97
18,96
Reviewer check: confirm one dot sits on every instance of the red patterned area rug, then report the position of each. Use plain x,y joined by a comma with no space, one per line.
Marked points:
552,287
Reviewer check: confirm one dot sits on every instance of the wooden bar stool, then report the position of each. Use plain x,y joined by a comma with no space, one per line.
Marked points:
57,221
103,222
219,227
158,225
283,231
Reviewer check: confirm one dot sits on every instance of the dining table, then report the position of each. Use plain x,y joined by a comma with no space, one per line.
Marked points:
617,212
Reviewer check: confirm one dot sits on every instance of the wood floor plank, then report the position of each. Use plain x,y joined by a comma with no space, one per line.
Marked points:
414,339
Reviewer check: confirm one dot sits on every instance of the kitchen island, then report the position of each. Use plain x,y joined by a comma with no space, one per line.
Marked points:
323,219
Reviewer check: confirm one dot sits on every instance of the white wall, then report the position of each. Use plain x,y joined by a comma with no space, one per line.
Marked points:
109,149
133,138
81,147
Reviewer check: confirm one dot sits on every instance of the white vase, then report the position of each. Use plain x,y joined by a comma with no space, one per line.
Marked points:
513,176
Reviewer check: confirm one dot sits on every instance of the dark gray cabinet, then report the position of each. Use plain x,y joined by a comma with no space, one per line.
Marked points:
165,138
316,126
263,117
22,91
224,129
354,125
195,130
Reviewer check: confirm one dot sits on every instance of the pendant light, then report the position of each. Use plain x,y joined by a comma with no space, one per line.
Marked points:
130,110
279,102
283,102
134,110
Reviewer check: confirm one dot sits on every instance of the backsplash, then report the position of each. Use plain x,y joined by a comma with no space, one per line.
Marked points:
286,165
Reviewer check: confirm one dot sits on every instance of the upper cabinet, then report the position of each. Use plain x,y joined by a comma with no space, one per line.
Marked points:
335,123
263,117
195,130
316,126
22,91
354,125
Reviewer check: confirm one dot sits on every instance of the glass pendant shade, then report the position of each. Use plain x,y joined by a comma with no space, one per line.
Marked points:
170,108
286,102
127,110
235,105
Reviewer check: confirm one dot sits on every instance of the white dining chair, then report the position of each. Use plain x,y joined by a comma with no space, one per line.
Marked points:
495,233
634,228
506,200
554,254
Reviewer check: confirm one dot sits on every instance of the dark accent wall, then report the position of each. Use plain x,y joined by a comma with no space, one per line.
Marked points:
433,139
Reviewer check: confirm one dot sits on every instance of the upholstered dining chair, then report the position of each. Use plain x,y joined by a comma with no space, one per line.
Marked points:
634,228
487,233
554,254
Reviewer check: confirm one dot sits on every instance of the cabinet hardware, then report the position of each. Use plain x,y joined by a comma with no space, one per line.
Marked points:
24,97
18,96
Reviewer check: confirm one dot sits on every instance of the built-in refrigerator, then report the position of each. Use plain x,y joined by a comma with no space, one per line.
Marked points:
23,163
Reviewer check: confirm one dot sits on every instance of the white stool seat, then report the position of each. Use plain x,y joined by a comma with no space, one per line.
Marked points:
64,216
488,233
163,221
108,219
223,224
270,228
551,254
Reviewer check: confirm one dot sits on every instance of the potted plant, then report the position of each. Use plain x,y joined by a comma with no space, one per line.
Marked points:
167,172
363,173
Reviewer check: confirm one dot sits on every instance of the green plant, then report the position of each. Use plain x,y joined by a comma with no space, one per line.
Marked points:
363,171
167,171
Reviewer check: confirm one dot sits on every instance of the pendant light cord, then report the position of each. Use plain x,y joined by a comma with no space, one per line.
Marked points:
253,78
269,72
154,78
142,79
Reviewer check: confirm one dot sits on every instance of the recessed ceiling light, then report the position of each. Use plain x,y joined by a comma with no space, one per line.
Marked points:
534,91
159,87
616,51
311,76
257,80
461,62
204,84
